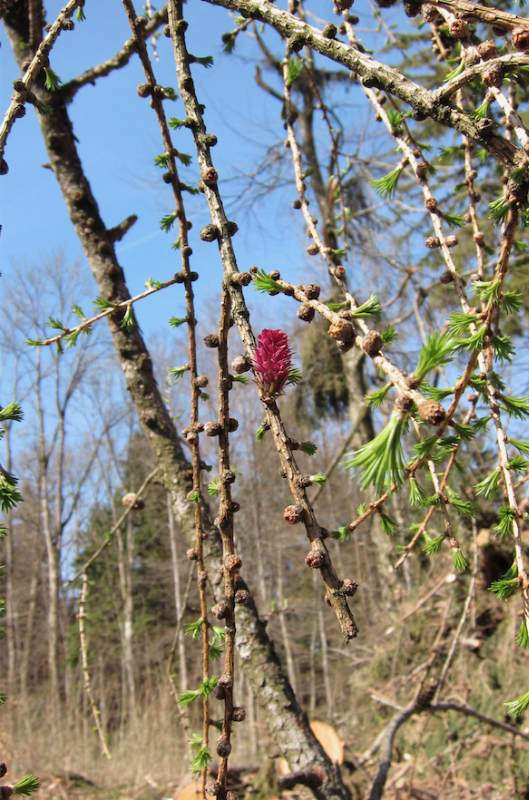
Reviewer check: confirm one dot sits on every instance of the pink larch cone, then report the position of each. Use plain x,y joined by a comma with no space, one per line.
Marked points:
272,362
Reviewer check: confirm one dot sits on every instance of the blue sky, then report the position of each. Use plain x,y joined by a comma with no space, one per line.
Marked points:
118,139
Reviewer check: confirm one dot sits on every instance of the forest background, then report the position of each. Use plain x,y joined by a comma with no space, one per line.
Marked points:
431,632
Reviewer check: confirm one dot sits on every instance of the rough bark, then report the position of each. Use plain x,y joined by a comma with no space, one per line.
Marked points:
288,723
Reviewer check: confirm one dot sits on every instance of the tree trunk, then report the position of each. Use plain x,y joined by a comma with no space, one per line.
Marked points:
125,565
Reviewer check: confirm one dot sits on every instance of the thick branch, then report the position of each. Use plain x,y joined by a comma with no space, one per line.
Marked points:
423,101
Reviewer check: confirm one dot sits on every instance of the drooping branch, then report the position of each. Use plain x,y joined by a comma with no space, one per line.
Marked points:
222,229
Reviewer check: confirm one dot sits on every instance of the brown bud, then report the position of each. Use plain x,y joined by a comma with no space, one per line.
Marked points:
306,312
493,75
487,49
213,788
138,504
235,506
212,340
241,364
313,249
238,714
3,769
212,429
202,579
312,290
413,381
293,514
330,31
201,381
219,693
471,58
210,176
19,111
144,90
432,242
5,792
304,481
233,563
4,169
226,680
342,330
472,397
479,238
403,403
429,13
233,424
209,233
371,343
241,278
485,126
192,437
339,272
296,204
349,587
228,476
431,411
344,347
451,241
192,554
446,277
315,560
342,5
430,203
459,29
242,596
520,38
254,269
223,747
421,170
221,610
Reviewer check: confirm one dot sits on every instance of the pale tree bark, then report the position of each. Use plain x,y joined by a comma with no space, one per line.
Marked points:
9,565
51,549
283,623
125,568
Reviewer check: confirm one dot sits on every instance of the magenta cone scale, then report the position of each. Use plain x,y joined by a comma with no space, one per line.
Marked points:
272,362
